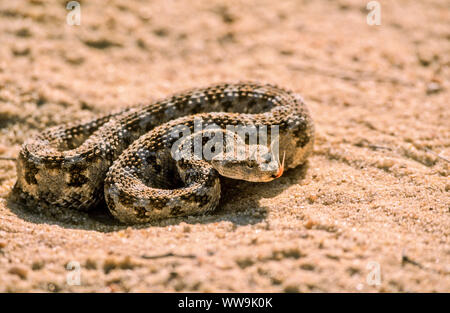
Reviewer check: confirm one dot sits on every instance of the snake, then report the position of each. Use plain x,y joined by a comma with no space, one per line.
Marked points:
139,160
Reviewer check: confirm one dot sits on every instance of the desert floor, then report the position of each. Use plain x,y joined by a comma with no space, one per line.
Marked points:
368,213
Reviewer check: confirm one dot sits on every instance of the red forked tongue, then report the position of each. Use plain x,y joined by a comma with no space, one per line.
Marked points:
281,170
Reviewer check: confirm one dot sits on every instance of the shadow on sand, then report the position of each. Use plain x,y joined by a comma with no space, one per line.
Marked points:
238,204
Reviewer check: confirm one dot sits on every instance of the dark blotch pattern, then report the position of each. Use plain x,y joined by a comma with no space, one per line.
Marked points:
77,165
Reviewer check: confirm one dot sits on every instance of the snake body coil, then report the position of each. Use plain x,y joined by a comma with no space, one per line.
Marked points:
125,157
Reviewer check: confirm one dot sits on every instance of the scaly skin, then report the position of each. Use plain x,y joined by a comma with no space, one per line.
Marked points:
125,157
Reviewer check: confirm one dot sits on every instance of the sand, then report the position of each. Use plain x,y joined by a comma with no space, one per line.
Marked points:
370,212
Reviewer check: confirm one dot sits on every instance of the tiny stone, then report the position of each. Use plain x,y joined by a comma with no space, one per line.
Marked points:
433,88
385,163
312,198
37,265
309,224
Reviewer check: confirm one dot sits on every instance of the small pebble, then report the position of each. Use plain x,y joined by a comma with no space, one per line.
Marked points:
309,224
385,163
37,265
312,198
433,88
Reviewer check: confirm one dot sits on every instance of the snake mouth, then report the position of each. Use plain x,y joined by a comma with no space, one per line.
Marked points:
281,167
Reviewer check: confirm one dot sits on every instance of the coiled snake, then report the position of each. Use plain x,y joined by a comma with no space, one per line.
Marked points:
127,158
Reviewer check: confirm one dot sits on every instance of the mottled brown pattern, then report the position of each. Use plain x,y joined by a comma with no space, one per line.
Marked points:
127,152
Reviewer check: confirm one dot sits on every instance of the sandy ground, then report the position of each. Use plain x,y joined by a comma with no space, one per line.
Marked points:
369,213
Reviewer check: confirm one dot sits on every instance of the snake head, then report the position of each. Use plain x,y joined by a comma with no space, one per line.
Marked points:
254,169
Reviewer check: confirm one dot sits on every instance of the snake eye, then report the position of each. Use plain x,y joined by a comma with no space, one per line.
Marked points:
251,165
